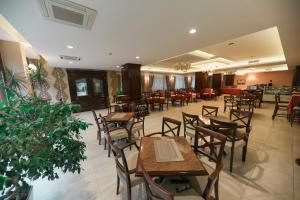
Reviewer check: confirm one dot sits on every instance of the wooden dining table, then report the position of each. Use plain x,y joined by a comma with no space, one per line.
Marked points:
206,119
119,117
190,165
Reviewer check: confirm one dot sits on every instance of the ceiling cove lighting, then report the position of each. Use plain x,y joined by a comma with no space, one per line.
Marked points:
70,47
193,31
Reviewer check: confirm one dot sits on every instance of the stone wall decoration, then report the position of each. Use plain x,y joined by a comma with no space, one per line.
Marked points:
59,84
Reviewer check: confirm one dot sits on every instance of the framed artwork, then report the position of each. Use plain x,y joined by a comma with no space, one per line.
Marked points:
241,82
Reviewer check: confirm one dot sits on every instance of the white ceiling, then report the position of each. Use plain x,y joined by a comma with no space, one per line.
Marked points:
153,30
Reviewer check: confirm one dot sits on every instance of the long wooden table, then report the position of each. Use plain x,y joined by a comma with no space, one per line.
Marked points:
191,165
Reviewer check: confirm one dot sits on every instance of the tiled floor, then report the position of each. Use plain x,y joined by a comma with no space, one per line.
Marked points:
269,172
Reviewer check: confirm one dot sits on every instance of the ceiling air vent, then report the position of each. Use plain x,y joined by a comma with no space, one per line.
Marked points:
253,61
68,12
70,58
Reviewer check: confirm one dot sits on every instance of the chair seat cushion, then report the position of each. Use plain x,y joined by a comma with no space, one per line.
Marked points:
118,134
296,108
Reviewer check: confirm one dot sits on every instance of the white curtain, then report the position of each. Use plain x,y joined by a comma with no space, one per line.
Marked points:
179,83
159,83
193,82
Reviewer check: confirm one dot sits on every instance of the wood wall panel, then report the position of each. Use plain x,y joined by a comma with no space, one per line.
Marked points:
201,80
131,81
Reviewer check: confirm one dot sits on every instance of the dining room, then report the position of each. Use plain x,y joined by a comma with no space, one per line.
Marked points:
168,100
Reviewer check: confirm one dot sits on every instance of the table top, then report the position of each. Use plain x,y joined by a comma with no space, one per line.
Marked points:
191,165
206,119
119,116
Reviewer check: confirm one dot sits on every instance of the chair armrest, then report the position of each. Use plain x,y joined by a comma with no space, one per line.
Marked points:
155,133
128,145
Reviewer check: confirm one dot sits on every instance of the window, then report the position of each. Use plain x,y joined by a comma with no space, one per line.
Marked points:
179,82
159,82
193,82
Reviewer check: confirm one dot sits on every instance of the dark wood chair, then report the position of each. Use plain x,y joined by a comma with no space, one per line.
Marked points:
246,103
98,123
114,133
125,167
209,111
243,120
229,129
212,147
169,125
166,192
190,122
281,108
137,124
295,115
230,102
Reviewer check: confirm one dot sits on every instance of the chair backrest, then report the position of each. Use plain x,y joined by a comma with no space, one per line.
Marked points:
120,160
170,125
215,142
242,118
96,119
209,111
226,128
153,190
213,177
190,122
277,98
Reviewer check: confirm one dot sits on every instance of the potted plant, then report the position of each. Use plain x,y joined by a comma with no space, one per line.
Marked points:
36,139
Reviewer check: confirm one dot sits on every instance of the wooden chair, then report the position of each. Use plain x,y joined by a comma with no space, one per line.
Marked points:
281,108
229,130
215,142
190,122
115,134
209,111
137,123
295,115
169,125
98,123
125,167
243,120
230,102
246,102
167,192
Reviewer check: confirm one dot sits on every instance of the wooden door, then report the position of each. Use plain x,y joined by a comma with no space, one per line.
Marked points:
88,88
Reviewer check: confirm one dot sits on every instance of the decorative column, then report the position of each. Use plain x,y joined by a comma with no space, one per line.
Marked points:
131,81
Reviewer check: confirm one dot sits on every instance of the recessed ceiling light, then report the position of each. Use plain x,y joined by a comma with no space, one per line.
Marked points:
231,43
70,47
70,62
137,57
118,66
193,31
109,53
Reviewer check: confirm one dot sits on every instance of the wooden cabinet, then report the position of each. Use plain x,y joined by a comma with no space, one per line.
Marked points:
88,88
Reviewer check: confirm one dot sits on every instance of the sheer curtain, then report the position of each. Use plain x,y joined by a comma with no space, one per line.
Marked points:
159,83
193,82
180,83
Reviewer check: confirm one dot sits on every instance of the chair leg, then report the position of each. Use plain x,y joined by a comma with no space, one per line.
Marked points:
217,189
224,108
231,155
109,149
105,142
118,184
275,112
245,151
99,135
128,191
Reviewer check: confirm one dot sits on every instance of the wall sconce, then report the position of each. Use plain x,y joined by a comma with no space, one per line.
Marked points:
172,78
251,77
189,78
147,78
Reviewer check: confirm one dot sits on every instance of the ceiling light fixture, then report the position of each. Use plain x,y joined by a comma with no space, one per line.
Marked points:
193,31
231,43
182,66
70,62
118,66
137,57
70,47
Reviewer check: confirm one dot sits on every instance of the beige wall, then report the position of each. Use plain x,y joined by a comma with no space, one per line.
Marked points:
113,83
280,78
13,57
